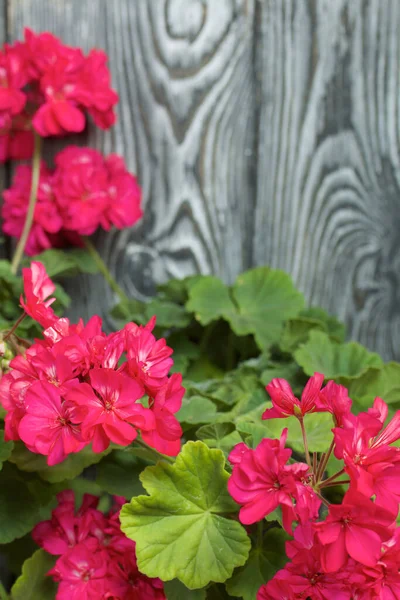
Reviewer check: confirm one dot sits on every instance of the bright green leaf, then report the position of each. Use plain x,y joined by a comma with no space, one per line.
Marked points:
203,369
209,300
318,428
265,298
181,529
33,584
321,354
65,263
261,566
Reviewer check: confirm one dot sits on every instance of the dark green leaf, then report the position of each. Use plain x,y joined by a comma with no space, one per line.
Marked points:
119,479
175,590
264,561
335,329
5,449
296,332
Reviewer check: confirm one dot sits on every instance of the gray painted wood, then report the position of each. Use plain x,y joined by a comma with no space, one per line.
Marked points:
328,199
183,69
262,131
3,169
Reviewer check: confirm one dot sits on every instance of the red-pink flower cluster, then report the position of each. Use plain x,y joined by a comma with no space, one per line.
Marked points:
79,386
84,191
48,87
96,560
353,551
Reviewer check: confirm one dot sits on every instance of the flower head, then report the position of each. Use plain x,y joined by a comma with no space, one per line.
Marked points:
285,403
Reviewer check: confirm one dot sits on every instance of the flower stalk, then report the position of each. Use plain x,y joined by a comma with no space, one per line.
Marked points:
105,271
19,251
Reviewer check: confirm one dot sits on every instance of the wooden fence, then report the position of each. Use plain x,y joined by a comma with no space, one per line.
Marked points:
262,132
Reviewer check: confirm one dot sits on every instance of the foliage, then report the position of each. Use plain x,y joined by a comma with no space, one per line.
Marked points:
229,342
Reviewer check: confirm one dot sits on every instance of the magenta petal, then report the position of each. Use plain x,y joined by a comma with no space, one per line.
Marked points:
363,545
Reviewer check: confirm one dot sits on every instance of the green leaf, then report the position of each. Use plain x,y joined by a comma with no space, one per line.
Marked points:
261,566
209,300
72,466
20,507
318,428
168,313
5,449
333,327
283,370
119,474
265,298
33,584
203,369
384,382
175,590
130,310
196,409
182,529
320,354
219,435
62,299
296,332
65,263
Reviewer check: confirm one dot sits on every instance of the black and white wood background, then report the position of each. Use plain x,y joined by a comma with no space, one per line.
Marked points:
262,132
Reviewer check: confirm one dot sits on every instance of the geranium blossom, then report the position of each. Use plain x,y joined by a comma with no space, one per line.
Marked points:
108,409
50,424
285,403
37,289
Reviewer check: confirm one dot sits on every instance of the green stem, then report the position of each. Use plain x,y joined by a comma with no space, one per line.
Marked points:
157,454
14,327
104,269
303,433
19,251
335,483
326,482
324,461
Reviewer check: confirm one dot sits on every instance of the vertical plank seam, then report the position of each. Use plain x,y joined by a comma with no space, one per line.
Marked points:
6,244
257,83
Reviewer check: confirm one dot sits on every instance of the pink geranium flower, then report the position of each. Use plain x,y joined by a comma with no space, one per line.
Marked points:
335,399
148,358
47,221
285,403
68,527
108,409
356,528
37,289
261,482
166,436
49,425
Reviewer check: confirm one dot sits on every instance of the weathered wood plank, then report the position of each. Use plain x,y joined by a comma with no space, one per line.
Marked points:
183,69
3,169
328,202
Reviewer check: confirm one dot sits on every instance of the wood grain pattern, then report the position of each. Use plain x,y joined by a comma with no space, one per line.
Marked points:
183,69
328,201
3,168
